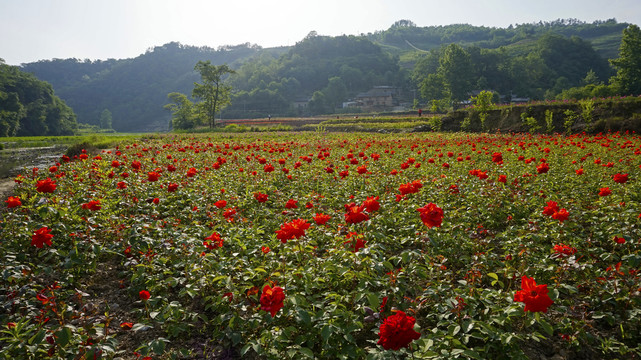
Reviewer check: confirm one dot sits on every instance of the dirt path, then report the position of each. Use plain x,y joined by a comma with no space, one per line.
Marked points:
6,188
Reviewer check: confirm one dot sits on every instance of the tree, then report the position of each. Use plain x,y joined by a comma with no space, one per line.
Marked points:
628,65
456,71
213,92
105,119
182,111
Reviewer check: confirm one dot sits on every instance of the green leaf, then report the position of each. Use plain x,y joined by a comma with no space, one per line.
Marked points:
63,336
372,299
546,327
326,331
307,352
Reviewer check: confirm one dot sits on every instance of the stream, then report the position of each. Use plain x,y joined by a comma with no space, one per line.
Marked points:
14,161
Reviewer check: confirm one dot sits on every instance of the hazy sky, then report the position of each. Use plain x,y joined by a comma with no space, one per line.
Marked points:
32,30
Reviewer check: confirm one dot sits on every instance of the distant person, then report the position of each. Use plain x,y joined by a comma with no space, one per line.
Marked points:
270,117
420,112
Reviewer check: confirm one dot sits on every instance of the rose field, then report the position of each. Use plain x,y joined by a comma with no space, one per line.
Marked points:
327,245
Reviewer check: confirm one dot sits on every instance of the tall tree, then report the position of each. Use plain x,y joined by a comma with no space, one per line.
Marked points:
105,119
628,65
182,110
456,71
213,92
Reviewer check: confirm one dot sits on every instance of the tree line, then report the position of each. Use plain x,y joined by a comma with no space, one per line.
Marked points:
444,65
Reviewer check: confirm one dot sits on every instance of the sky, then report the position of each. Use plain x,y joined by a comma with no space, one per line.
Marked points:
32,30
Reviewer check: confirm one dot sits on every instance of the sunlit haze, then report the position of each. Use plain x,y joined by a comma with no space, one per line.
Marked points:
85,29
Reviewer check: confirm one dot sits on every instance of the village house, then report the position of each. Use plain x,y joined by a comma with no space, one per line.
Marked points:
379,98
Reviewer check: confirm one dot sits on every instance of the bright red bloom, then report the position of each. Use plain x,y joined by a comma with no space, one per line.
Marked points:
542,168
321,219
265,249
579,171
144,295
229,214
53,169
291,230
126,325
397,331
605,191
502,179
497,157
121,185
13,201
172,187
358,242
192,172
41,236
260,197
564,250
291,204
46,186
213,241
619,240
551,208
620,178
93,205
561,215
268,168
535,297
153,176
355,214
135,165
271,300
431,215
220,204
410,188
371,204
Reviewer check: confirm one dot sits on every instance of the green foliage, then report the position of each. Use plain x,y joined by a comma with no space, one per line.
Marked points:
587,109
628,64
549,121
531,123
213,93
184,116
28,106
570,119
106,120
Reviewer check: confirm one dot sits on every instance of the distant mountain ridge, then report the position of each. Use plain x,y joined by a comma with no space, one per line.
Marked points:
135,90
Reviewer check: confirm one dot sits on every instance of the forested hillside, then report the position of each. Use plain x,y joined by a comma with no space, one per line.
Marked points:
319,73
28,106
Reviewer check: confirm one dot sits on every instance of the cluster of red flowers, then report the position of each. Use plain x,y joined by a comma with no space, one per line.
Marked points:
92,205
552,209
397,331
564,250
213,241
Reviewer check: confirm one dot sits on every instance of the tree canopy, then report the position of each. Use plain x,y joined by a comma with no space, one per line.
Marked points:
29,107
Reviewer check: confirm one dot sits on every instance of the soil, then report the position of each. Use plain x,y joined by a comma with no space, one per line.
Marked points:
15,161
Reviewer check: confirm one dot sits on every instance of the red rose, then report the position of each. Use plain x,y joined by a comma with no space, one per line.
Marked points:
121,185
291,230
144,295
620,178
213,241
260,197
220,204
564,250
355,214
543,168
153,176
372,204
46,186
291,204
431,215
13,201
561,215
551,208
605,191
271,300
172,187
321,219
535,297
93,205
397,331
41,236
